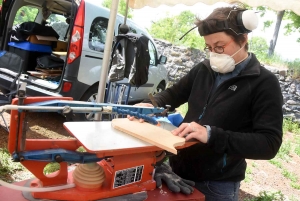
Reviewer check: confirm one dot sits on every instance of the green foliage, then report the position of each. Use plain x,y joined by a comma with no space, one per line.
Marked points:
51,167
289,125
297,150
259,46
276,163
284,151
267,24
121,8
248,175
7,166
294,66
295,185
183,109
268,196
25,14
289,175
294,23
172,28
81,149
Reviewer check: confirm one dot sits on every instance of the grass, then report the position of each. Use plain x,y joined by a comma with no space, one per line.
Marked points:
268,196
51,167
248,175
276,163
7,166
295,185
289,175
290,126
284,151
297,150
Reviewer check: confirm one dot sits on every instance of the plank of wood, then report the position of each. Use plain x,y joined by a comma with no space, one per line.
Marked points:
43,74
150,133
59,53
45,70
35,73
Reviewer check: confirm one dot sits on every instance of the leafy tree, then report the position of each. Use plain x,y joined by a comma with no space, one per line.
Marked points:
172,28
292,26
259,46
121,9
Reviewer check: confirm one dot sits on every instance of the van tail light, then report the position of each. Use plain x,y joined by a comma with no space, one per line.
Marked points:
77,35
67,86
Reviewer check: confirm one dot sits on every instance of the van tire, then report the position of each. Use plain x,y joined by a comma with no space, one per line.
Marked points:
89,96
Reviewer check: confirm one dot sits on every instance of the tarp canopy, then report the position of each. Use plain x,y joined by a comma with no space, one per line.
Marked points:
276,5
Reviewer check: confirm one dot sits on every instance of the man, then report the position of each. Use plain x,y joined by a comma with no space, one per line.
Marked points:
234,108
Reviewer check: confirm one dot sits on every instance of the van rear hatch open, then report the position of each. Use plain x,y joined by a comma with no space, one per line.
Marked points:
39,32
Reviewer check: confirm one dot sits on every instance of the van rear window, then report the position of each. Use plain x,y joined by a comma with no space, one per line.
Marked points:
25,14
60,24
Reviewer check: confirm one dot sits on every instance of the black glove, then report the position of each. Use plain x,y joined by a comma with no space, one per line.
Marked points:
174,182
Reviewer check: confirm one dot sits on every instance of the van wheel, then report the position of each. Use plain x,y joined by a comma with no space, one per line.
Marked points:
89,96
160,87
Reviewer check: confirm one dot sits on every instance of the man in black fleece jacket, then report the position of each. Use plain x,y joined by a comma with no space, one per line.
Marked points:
234,108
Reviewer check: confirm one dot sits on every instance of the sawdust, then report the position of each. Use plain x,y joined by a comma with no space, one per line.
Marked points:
263,176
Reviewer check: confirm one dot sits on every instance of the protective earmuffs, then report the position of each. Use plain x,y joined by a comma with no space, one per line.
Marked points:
247,21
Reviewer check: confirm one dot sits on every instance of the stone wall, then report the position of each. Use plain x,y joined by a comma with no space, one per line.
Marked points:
182,59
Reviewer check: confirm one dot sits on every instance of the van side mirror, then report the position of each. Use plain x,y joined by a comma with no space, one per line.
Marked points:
163,59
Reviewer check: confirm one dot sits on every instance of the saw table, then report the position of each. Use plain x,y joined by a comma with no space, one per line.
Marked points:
114,163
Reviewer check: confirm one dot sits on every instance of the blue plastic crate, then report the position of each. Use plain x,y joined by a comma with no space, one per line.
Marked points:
31,47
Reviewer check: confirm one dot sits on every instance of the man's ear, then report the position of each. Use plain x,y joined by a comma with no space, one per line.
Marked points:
246,38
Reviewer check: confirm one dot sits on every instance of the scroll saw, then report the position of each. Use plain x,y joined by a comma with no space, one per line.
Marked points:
115,163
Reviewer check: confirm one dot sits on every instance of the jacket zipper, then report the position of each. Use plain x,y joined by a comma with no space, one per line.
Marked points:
208,98
203,111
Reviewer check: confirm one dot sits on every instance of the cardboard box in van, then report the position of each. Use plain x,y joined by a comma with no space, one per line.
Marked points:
42,40
61,46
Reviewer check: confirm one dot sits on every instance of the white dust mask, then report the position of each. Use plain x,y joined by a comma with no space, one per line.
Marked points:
222,63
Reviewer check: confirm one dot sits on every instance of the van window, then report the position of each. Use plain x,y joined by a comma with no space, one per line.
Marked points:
132,30
59,24
153,53
97,34
26,14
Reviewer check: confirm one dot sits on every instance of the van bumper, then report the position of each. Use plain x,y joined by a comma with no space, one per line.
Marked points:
6,81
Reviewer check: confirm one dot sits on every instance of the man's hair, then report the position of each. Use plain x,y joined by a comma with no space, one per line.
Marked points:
223,20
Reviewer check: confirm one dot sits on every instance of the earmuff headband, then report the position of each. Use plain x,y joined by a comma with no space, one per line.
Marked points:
247,21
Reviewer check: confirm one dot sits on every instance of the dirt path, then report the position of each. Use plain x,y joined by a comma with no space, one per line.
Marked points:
261,176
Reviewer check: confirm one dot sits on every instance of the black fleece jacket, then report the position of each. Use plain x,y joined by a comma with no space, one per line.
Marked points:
245,115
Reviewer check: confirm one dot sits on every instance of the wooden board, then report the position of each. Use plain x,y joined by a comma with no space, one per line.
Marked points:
149,133
59,53
49,71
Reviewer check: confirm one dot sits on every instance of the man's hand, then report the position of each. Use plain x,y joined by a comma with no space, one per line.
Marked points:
174,182
190,131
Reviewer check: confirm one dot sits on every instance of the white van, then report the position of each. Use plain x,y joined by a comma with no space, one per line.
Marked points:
79,74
